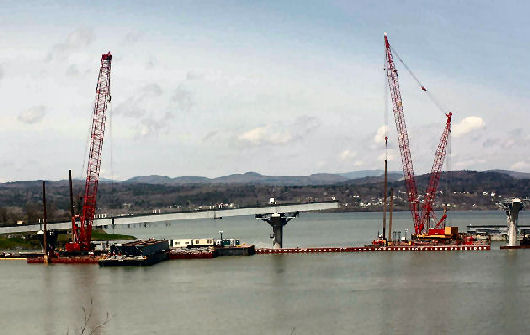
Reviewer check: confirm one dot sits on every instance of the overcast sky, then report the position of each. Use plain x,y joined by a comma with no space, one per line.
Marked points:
278,87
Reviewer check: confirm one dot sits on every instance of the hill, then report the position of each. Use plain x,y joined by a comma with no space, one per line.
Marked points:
463,189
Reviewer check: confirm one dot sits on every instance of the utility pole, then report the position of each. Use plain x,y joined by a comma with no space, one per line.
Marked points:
391,208
71,193
385,193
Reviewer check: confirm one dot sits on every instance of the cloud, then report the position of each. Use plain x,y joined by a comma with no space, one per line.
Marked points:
390,156
193,75
347,155
280,133
72,70
379,137
32,115
133,37
134,106
151,63
1,72
519,166
151,126
209,136
265,135
467,125
183,99
77,39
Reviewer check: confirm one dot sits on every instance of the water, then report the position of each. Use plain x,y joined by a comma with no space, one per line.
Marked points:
380,293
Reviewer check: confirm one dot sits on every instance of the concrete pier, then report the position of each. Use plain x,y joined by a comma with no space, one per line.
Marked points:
277,221
512,207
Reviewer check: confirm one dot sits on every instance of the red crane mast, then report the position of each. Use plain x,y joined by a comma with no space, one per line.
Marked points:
403,137
82,232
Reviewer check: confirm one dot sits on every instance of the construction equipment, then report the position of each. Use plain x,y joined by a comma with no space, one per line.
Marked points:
82,224
422,220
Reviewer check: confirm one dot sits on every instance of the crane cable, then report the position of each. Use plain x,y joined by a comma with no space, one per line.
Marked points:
111,145
444,111
429,94
87,143
386,89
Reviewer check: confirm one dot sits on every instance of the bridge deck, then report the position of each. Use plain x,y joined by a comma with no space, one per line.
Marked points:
210,214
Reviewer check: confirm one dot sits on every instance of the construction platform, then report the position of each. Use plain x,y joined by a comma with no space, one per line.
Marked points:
238,250
120,260
138,253
504,247
89,259
265,251
184,253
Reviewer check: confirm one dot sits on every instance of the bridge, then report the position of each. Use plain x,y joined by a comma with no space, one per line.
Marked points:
209,214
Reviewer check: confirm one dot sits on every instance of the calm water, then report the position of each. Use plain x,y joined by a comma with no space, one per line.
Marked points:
381,293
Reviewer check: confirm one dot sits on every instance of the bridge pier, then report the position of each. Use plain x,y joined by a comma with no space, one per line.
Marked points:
512,207
277,221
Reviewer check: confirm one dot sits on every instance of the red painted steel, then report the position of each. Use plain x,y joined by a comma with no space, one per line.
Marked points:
434,180
82,233
421,220
403,137
65,260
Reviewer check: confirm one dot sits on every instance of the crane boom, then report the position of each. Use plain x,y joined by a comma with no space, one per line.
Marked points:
434,180
403,137
421,221
82,233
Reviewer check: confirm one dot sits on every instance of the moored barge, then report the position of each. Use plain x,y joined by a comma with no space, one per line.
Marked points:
137,253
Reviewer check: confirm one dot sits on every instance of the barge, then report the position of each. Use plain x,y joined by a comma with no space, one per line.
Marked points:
185,253
81,259
138,253
454,247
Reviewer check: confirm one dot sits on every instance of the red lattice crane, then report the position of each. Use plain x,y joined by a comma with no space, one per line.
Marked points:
427,210
82,224
421,220
403,137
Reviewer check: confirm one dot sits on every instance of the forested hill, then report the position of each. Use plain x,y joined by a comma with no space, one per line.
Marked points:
462,189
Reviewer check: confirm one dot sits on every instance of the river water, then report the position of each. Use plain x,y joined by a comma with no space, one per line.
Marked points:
475,292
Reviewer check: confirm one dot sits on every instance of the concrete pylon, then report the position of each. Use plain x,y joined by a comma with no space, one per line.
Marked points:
512,207
277,221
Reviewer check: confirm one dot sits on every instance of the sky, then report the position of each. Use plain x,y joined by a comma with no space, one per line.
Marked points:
211,88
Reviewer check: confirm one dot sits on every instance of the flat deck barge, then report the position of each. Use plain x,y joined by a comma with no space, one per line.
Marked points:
132,260
65,260
238,250
136,253
482,247
503,247
184,253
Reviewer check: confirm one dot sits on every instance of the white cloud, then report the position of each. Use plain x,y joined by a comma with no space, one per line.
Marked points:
519,166
379,137
358,163
32,115
347,155
280,132
390,156
265,135
77,39
467,125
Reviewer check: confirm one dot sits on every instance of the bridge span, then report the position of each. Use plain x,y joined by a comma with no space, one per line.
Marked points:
209,214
